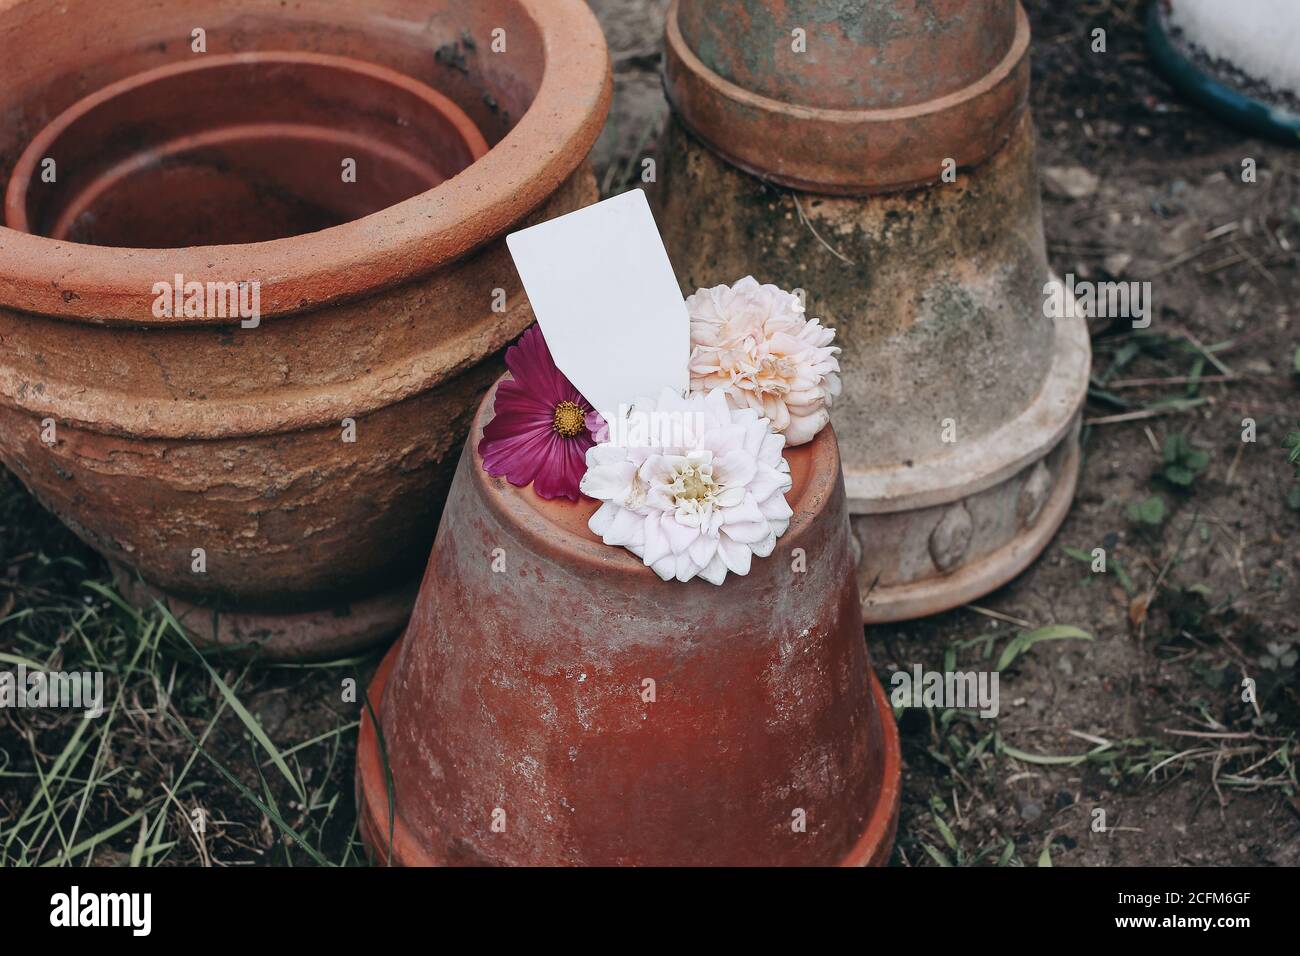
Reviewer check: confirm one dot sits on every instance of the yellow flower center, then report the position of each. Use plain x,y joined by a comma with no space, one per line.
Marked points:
695,486
569,420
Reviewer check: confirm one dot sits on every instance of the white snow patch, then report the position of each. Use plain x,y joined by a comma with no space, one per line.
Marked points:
1259,37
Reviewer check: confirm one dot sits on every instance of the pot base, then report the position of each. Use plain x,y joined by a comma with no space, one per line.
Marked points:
942,321
307,635
1056,475
377,825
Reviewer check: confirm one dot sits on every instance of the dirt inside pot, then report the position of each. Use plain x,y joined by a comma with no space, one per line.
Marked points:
236,149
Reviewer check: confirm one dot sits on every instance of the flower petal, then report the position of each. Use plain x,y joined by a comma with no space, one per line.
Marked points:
609,482
747,512
736,555
776,508
746,532
657,546
735,468
603,519
680,536
715,572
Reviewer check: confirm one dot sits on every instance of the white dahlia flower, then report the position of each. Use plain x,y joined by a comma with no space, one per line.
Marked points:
753,342
704,500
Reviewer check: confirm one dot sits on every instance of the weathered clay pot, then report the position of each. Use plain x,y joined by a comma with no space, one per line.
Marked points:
518,696
176,433
959,416
202,152
826,96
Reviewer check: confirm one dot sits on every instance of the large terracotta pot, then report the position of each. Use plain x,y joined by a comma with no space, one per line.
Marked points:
175,433
202,152
515,717
960,410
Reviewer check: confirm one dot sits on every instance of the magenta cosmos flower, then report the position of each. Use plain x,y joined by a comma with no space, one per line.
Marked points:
541,427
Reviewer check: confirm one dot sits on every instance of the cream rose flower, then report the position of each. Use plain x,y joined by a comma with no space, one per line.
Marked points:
703,507
753,342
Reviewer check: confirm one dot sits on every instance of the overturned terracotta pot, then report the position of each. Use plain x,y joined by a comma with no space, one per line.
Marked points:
822,96
553,702
959,416
277,478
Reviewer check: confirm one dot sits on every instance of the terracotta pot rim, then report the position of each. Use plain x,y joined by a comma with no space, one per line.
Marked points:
846,152
15,197
872,849
991,458
412,238
521,508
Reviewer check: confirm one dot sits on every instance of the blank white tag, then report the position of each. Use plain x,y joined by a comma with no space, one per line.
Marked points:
604,294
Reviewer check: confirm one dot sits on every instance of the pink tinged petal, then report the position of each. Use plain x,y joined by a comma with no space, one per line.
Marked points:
702,550
774,411
773,444
776,508
805,429
609,482
638,535
602,455
731,497
657,499
724,440
744,513
715,404
755,435
748,532
735,468
735,555
686,568
685,516
783,343
768,482
765,547
680,537
657,547
665,567
752,405
659,469
804,387
625,530
715,572
804,403
603,520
